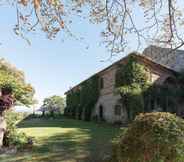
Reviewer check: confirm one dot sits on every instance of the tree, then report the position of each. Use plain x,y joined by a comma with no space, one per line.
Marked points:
14,90
14,79
153,21
43,110
53,104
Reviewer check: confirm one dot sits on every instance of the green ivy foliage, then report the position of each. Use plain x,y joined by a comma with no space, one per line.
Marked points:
132,72
132,97
162,96
73,103
131,80
80,103
152,137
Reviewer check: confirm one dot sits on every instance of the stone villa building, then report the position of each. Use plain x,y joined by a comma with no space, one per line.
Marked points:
162,65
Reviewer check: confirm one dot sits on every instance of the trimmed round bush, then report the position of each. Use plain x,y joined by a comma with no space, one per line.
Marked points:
152,137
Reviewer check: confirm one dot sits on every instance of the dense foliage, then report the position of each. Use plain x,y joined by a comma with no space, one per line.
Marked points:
162,98
167,97
12,136
132,72
131,80
53,104
152,137
14,79
80,103
14,91
73,104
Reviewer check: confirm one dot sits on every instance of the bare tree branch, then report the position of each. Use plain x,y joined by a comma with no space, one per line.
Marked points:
127,22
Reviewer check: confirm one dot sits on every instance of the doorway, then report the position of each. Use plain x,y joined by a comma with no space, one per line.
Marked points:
101,112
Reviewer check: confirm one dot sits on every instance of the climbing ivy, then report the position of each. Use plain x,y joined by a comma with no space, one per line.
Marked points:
131,79
139,95
132,73
72,102
163,98
80,103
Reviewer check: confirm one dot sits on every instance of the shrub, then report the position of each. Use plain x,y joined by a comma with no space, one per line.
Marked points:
12,136
152,137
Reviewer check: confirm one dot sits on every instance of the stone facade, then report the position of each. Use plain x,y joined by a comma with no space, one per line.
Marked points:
167,57
109,100
108,106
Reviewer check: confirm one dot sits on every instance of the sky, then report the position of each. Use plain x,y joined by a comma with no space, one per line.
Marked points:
53,66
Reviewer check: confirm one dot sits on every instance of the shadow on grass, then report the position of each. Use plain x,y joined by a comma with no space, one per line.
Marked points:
62,122
77,141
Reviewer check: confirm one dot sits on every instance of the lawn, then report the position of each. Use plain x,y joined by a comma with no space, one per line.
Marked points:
65,140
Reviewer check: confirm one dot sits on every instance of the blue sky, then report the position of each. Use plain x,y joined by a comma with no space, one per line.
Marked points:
54,66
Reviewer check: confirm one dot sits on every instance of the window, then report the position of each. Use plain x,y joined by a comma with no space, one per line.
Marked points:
101,83
117,110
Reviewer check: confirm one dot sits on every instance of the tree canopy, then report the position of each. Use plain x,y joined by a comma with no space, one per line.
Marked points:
148,21
14,79
53,104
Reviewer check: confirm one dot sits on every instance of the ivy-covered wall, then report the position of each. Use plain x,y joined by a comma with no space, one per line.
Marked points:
139,95
72,102
131,80
132,72
80,103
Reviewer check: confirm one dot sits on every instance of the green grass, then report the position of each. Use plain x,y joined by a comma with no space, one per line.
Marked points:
65,140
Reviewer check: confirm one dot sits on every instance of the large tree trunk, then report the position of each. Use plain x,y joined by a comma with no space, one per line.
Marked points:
2,130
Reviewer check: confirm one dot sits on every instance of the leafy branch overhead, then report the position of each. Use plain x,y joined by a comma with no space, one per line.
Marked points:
46,13
126,22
